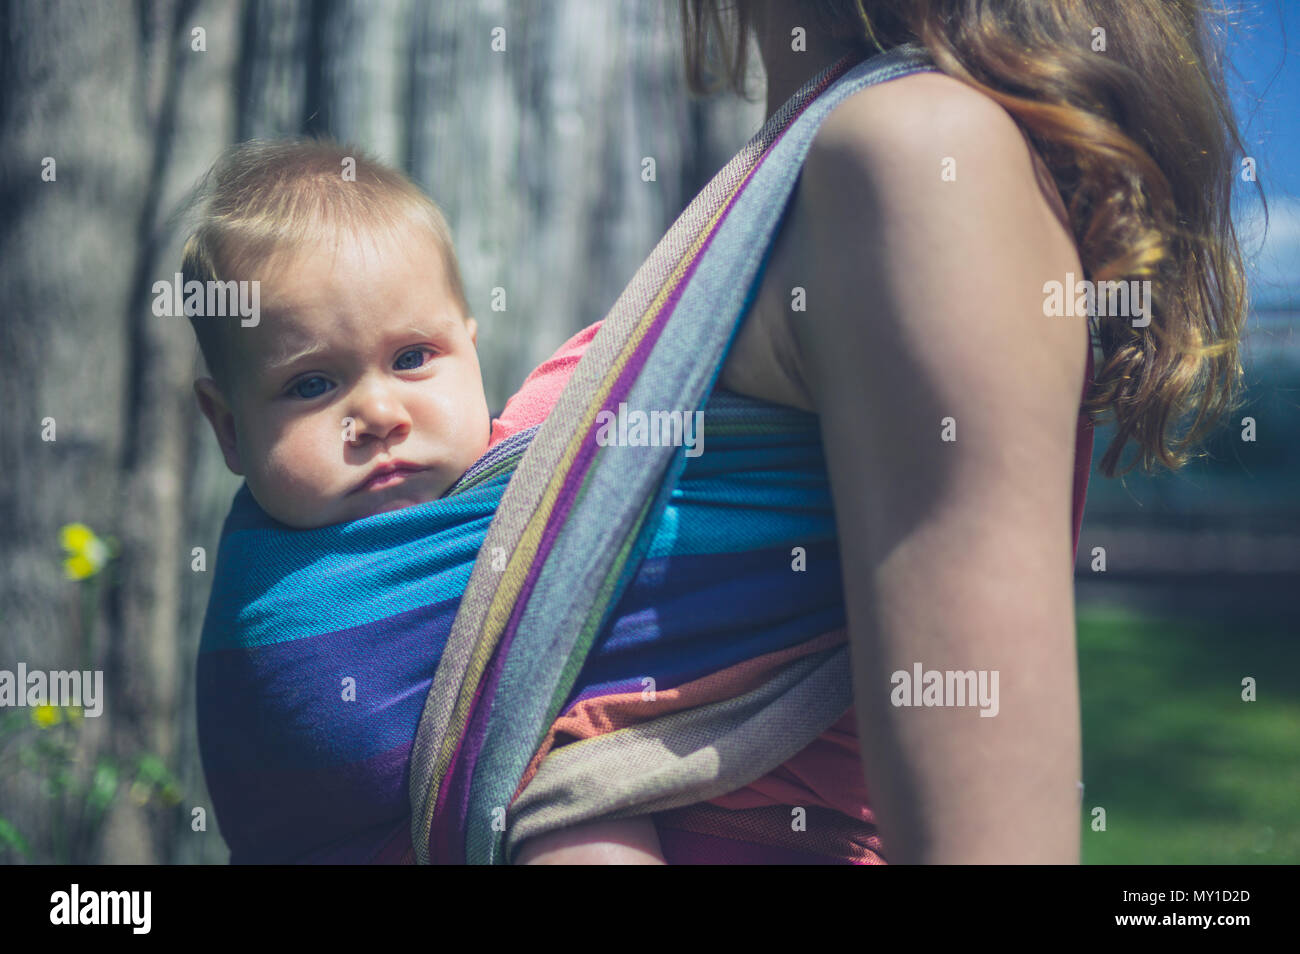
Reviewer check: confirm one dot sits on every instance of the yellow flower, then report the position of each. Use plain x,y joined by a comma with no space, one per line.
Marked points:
87,553
46,716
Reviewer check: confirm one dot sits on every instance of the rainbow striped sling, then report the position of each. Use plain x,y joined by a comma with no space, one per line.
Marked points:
584,526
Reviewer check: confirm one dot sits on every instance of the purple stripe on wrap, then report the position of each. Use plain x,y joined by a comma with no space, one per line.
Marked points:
360,795
454,794
306,725
685,617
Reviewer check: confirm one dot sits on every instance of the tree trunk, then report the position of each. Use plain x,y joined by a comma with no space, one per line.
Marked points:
530,123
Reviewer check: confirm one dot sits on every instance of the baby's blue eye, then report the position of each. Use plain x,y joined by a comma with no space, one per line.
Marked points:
312,387
403,364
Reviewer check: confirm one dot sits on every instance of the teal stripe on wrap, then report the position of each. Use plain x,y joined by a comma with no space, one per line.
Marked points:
782,480
678,374
730,528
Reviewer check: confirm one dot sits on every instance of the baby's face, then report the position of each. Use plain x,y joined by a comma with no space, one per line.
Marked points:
359,390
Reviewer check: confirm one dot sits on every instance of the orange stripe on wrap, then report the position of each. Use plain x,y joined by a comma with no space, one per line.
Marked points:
603,714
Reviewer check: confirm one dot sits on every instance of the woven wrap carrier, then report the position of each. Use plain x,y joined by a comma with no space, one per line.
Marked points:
575,523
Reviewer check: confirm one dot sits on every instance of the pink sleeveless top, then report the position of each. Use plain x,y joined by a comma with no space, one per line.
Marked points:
826,778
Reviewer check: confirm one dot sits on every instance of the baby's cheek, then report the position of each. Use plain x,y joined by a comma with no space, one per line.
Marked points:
303,462
454,417
474,431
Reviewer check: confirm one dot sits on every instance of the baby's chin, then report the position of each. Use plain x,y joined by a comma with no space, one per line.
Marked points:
349,507
398,503
419,490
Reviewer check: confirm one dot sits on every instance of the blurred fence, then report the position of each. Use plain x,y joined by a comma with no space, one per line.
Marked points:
1221,535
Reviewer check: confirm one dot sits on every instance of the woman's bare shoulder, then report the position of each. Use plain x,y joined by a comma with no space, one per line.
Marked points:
921,164
926,239
923,203
927,116
916,110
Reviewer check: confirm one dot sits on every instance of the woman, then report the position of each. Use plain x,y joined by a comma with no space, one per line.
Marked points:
933,216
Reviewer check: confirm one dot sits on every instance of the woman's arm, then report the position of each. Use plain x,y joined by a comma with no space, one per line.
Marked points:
925,302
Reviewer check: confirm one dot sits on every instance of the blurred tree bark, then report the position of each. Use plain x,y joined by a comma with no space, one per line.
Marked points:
129,110
528,122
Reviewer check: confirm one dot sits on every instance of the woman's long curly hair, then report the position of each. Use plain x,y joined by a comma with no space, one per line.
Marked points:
1142,144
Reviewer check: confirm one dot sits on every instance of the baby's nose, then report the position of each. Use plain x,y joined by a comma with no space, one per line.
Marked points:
377,414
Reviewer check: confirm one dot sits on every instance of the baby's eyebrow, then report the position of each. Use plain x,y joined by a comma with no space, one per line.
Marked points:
296,356
292,358
420,332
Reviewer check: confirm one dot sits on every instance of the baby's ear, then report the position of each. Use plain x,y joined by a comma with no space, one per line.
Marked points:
472,327
214,407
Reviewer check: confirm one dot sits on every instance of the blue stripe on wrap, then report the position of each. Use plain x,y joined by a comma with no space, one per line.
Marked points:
685,617
293,584
307,723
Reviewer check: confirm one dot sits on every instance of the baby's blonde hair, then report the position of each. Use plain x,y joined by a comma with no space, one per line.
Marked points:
264,195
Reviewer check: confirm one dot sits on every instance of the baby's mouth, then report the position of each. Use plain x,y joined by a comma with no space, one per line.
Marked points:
388,475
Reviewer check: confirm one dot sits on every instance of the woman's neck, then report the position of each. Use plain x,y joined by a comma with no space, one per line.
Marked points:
787,68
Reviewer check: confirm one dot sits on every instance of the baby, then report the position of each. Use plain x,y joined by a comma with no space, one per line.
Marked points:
356,389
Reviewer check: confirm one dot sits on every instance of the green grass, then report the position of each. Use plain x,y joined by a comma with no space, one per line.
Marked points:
1187,772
